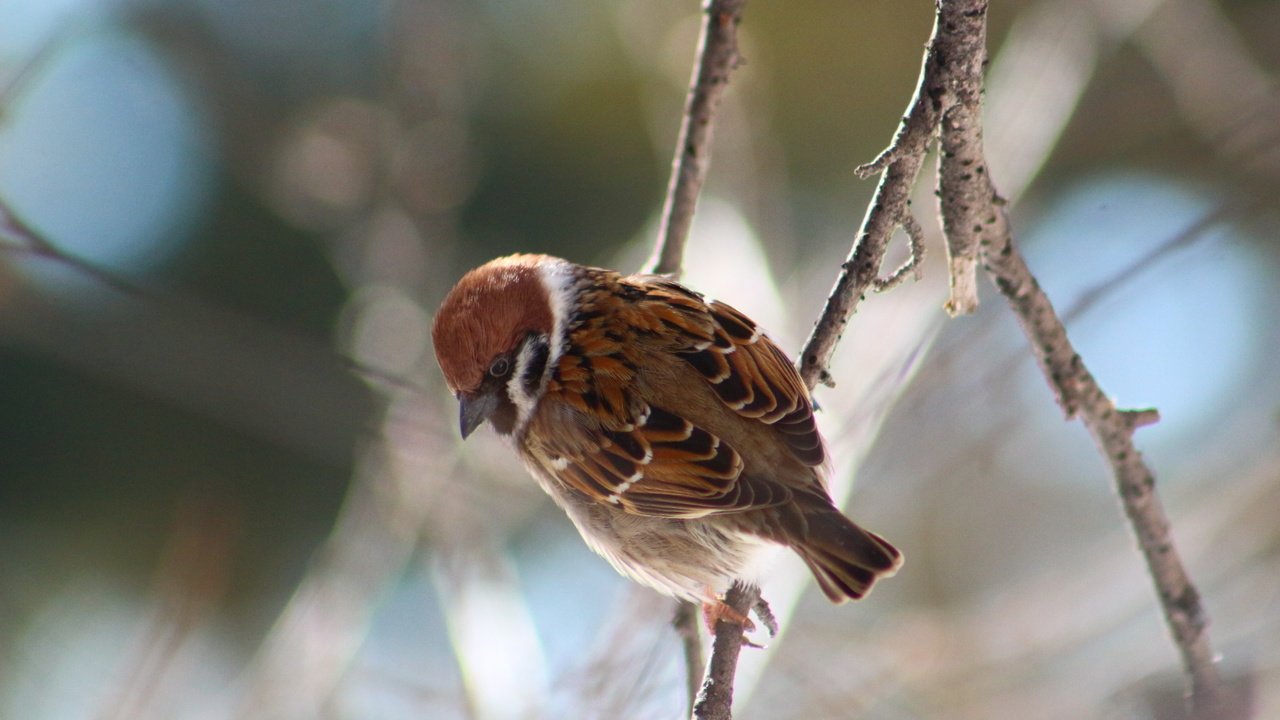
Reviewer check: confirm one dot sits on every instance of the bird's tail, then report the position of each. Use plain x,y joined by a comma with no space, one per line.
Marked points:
845,559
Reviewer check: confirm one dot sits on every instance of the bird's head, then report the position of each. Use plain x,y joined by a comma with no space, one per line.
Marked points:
495,338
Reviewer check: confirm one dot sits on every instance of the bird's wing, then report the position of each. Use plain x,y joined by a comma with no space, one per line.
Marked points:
661,465
594,433
747,371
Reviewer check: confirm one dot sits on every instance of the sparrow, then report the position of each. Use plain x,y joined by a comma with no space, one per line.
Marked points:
675,434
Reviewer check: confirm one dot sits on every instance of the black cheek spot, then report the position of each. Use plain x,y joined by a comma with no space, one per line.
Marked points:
504,416
533,372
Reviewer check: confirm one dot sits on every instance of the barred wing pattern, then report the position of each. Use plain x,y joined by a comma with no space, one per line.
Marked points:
649,460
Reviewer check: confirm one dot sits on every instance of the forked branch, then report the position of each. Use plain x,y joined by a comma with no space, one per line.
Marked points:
948,102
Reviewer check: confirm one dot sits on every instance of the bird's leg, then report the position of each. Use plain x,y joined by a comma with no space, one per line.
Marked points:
715,609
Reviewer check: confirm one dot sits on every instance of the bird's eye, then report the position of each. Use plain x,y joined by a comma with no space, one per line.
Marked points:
500,367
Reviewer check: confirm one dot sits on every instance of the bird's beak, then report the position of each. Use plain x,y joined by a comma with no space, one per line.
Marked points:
474,409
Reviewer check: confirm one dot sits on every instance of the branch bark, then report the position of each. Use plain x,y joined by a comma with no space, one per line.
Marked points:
889,208
686,625
715,699
974,216
1079,394
717,57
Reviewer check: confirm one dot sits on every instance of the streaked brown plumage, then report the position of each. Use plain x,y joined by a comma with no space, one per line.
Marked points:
674,433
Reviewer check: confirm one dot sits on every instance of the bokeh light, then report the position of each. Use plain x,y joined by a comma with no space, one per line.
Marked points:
107,153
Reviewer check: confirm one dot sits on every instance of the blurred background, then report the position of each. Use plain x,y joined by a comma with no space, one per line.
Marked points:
214,211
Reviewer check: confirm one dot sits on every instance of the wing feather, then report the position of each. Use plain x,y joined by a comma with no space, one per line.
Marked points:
616,448
665,466
744,367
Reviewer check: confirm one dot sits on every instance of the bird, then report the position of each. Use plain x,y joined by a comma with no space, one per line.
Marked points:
674,433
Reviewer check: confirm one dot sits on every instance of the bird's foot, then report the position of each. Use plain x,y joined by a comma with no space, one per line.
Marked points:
765,614
715,609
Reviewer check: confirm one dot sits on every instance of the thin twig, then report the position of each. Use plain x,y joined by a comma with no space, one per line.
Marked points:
715,699
960,161
901,164
915,262
17,236
960,155
686,625
717,57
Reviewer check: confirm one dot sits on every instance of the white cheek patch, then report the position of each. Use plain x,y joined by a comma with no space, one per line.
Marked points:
557,278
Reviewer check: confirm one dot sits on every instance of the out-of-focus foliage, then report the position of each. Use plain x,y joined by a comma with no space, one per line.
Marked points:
205,512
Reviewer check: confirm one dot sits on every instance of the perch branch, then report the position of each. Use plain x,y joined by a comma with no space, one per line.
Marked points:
717,57
715,699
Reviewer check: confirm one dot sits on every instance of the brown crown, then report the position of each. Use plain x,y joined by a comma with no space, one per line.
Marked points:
486,314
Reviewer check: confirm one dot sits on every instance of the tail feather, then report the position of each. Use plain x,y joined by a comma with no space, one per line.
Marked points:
845,559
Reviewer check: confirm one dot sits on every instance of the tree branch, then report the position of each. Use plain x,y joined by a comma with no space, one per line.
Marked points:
686,625
18,237
888,210
1112,429
717,57
974,216
715,699
968,193
948,101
